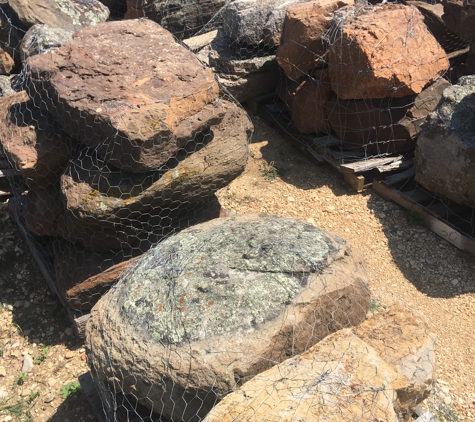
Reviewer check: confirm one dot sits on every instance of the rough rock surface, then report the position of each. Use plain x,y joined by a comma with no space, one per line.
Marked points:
67,14
6,88
83,276
303,44
134,9
97,196
256,21
6,63
385,125
243,78
445,150
383,51
128,89
223,301
43,38
10,35
183,18
358,374
33,141
459,15
306,101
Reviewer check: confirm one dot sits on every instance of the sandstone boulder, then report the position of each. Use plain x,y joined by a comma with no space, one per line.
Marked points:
6,63
211,307
66,14
445,150
34,143
243,78
382,51
357,374
98,196
183,18
127,89
255,21
303,42
385,125
10,34
459,15
306,101
43,38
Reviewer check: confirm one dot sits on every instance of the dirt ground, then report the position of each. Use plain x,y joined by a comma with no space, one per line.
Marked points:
405,260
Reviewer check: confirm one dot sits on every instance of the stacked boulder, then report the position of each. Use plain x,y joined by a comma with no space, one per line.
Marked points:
370,74
122,138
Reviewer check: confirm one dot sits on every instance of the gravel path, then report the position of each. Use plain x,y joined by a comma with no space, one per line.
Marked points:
407,262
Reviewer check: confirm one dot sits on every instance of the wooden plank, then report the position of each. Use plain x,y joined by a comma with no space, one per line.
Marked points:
399,177
439,227
317,157
357,182
396,165
458,53
344,154
89,390
199,41
368,164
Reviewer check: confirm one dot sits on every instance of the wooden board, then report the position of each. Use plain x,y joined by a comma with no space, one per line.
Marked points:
441,227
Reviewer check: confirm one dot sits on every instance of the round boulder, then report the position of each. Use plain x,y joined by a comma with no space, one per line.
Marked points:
209,308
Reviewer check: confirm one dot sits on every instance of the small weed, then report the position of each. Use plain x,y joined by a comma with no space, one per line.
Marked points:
230,195
22,408
20,380
447,414
38,359
248,196
414,219
70,389
268,171
375,306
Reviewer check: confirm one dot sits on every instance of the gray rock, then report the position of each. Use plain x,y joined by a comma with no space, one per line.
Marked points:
67,14
445,149
27,364
256,21
43,38
6,85
210,307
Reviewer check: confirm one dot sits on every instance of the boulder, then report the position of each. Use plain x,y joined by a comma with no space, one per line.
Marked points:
256,22
243,78
127,89
381,126
6,88
459,15
6,63
43,38
382,51
98,196
445,150
211,307
354,374
303,43
306,101
11,35
183,18
433,13
83,276
66,14
134,9
33,142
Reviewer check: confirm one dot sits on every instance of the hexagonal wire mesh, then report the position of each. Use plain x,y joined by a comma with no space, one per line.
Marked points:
122,137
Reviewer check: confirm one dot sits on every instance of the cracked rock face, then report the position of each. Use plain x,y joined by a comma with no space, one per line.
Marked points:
209,308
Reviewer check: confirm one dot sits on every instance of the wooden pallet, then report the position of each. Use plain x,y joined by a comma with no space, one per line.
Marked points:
453,222
43,259
357,169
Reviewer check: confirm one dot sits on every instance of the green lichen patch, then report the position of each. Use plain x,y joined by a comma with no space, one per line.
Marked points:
226,277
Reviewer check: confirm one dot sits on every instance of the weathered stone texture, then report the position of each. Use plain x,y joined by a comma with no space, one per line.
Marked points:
445,150
459,15
383,51
303,36
124,88
43,38
223,301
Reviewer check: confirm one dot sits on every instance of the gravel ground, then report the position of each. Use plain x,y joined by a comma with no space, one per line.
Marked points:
406,262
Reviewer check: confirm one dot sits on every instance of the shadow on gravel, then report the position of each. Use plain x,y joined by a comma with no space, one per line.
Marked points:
75,408
434,266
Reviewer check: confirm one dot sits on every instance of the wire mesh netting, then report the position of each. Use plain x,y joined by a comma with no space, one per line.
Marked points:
122,132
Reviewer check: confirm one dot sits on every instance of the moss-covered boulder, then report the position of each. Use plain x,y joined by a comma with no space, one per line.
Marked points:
218,303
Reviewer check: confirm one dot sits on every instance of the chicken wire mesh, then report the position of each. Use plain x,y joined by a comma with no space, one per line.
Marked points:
122,137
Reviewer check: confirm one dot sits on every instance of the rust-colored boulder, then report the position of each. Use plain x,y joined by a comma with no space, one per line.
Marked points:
382,51
126,88
34,143
99,196
6,63
381,126
211,307
302,44
306,101
459,15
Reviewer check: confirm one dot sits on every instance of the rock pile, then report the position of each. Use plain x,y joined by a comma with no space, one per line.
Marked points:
211,307
370,74
122,138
